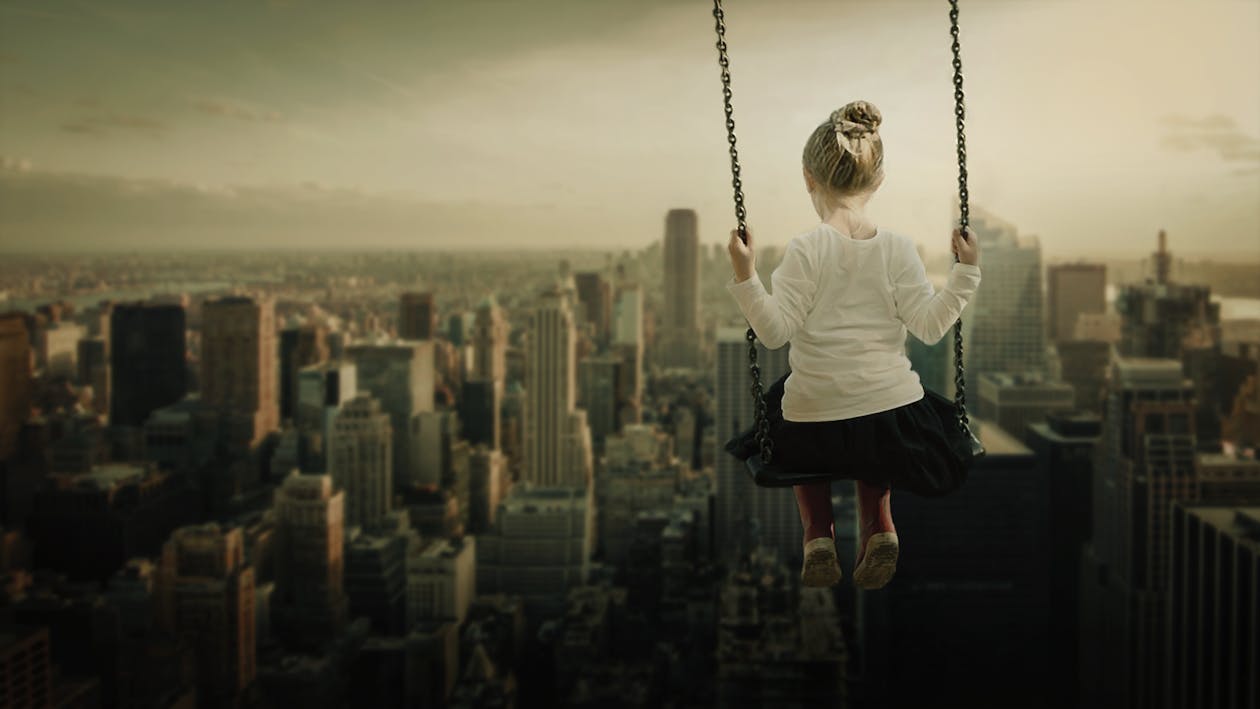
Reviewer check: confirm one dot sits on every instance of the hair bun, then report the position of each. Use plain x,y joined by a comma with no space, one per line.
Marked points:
856,118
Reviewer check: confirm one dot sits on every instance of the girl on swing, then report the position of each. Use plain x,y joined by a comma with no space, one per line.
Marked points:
845,293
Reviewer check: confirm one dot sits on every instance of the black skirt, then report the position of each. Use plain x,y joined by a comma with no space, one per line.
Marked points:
905,447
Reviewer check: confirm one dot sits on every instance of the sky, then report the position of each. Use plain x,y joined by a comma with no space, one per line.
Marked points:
578,124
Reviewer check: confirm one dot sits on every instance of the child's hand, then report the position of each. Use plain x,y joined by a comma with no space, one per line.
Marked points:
967,249
742,258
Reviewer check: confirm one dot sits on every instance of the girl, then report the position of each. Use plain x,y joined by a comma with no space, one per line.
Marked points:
845,293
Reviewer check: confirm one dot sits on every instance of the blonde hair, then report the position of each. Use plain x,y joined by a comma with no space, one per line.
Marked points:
845,153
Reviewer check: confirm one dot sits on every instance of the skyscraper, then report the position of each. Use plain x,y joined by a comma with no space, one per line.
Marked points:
1073,289
417,316
739,501
1213,646
15,380
1006,316
595,299
238,360
360,460
299,347
680,323
627,343
206,596
146,360
402,376
557,439
309,605
490,339
1164,319
1145,460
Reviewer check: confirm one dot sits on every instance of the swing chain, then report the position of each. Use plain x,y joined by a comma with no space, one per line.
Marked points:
759,402
960,396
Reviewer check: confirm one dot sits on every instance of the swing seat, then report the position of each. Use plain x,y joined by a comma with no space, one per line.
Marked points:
919,448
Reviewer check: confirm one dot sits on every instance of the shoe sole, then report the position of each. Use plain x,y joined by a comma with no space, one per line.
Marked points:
879,563
821,568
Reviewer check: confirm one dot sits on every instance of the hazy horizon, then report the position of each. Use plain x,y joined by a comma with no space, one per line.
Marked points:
475,125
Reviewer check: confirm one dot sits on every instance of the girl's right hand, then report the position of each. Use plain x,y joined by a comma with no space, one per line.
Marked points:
966,249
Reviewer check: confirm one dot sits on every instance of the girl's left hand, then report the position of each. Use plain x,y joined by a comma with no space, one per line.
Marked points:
742,256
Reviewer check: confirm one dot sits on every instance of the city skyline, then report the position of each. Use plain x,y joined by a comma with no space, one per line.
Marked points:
489,125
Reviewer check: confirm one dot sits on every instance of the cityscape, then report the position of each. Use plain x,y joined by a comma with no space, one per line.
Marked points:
381,356
386,480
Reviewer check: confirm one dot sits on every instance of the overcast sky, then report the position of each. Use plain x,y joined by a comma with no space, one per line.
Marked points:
575,122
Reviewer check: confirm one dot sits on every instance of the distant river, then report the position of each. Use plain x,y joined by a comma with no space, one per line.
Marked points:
85,301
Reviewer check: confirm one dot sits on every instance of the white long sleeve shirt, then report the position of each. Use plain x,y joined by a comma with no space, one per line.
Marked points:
845,304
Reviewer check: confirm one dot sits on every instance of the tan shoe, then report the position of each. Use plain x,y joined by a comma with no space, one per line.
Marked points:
821,567
877,562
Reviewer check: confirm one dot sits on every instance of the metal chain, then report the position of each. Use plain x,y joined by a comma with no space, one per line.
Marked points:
960,394
762,421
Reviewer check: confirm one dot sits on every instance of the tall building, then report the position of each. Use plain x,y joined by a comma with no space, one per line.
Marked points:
417,316
966,586
323,389
1173,320
441,580
360,460
58,348
299,347
376,577
628,343
26,667
1073,289
1013,401
309,605
1063,446
1213,645
1083,364
15,380
146,360
488,484
94,370
479,406
679,341
206,596
238,360
557,438
490,340
599,395
595,300
540,546
402,377
741,506
1006,316
1145,460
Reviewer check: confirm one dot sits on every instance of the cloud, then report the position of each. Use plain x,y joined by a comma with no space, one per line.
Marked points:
56,211
235,109
1217,132
103,123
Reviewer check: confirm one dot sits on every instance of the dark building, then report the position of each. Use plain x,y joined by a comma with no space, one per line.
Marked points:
15,379
1145,460
479,403
595,304
88,525
25,668
1162,319
147,365
966,619
417,316
299,347
376,581
1083,364
1064,449
1213,644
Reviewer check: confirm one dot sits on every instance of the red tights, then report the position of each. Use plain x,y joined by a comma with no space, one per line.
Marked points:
814,503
